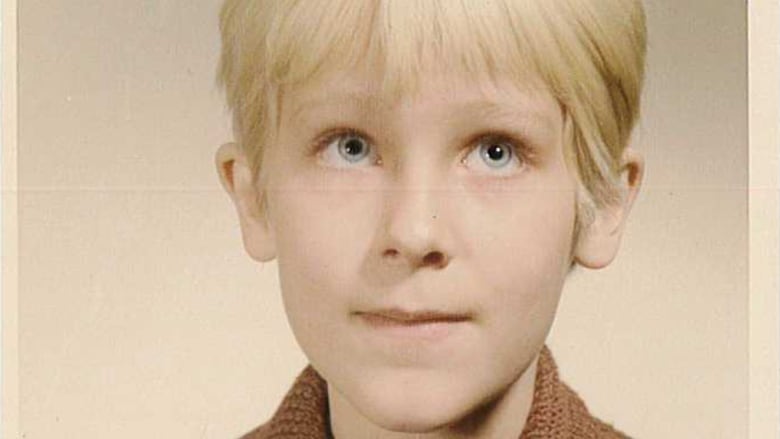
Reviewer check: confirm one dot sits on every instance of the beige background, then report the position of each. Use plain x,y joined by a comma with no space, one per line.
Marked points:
140,316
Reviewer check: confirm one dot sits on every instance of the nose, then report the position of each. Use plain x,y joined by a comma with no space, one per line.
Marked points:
415,227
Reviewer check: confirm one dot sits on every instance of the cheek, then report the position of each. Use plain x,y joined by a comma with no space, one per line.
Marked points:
322,238
524,254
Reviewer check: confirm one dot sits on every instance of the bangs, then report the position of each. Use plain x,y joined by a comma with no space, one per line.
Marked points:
399,40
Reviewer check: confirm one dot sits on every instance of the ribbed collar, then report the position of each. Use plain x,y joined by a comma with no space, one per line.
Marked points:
556,411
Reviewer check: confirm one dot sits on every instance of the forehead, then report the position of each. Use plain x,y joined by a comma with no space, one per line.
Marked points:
440,91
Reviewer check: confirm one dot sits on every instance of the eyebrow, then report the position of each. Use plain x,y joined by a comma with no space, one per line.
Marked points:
492,110
359,99
486,109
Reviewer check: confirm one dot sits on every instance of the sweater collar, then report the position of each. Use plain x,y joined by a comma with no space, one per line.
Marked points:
556,411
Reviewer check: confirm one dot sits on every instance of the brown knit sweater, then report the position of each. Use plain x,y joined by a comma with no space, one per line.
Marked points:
556,411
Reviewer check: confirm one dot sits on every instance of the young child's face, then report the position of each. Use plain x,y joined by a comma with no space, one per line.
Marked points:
422,242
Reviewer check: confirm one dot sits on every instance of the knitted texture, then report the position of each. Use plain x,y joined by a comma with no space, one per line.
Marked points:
556,411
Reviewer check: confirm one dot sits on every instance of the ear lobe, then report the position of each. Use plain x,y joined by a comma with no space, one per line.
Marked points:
599,241
235,174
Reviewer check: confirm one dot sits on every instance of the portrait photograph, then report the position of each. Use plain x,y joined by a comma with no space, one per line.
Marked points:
389,219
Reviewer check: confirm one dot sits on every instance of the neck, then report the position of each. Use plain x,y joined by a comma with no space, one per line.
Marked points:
503,417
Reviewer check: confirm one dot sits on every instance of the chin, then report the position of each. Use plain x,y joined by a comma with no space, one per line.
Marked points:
403,420
415,408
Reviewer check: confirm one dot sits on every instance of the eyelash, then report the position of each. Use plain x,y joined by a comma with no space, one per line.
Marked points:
519,147
329,136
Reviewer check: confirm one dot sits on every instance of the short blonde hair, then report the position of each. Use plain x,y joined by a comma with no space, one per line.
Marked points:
589,53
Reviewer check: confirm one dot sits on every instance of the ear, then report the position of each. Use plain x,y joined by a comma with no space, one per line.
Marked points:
235,175
599,241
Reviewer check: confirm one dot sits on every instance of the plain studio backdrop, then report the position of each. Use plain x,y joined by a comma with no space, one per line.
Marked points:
141,315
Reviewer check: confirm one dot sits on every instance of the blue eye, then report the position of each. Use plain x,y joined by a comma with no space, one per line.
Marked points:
494,156
353,148
348,150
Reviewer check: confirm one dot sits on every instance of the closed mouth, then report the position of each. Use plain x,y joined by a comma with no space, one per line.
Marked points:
397,316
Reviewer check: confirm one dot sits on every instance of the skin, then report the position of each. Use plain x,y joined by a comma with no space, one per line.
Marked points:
423,218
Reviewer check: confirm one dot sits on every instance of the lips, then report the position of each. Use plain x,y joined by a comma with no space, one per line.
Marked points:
397,325
397,316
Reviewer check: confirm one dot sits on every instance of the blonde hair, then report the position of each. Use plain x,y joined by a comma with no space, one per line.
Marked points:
589,53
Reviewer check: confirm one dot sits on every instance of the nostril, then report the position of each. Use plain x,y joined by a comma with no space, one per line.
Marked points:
434,258
391,253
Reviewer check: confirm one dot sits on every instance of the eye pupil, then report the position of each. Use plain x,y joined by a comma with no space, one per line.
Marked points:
496,154
353,147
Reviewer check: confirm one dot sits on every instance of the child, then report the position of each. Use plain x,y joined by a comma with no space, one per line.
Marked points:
427,173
